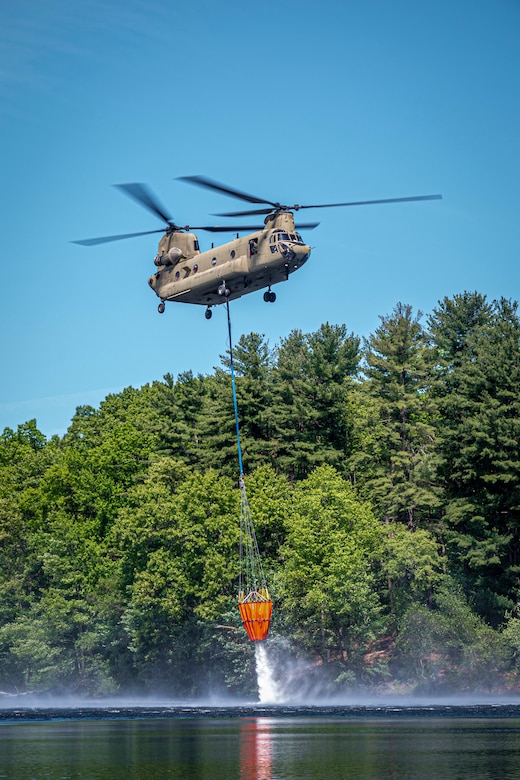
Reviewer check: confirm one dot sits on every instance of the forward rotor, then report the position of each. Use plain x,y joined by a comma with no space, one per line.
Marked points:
203,181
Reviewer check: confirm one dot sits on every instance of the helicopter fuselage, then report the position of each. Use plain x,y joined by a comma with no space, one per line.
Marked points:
253,262
246,264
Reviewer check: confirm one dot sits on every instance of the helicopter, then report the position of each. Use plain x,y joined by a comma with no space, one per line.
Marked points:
246,264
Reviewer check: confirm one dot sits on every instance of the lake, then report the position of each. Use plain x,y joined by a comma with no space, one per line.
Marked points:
388,742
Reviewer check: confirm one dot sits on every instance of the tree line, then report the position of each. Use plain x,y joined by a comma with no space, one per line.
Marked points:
383,477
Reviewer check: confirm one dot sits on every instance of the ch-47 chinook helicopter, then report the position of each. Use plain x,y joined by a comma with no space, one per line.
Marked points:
259,260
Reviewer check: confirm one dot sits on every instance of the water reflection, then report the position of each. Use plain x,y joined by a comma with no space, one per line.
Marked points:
256,750
480,743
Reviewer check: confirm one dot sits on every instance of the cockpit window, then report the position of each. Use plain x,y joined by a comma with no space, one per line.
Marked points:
278,235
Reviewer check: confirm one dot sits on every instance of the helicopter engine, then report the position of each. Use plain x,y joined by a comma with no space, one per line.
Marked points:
171,257
174,255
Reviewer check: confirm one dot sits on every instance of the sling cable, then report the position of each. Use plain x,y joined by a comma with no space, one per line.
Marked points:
254,603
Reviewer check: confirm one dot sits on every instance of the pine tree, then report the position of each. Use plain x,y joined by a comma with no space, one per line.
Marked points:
395,465
178,409
451,326
252,367
479,430
310,386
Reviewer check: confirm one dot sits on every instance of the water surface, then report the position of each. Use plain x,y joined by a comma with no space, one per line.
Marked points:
261,743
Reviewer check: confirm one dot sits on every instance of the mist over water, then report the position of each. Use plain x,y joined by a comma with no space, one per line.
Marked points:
285,683
50,708
285,680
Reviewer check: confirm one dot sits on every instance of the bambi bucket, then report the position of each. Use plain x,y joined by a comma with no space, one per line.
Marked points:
256,618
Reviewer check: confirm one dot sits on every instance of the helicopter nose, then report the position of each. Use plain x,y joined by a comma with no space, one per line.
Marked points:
302,253
295,255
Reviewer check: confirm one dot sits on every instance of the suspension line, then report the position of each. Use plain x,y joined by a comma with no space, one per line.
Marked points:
254,603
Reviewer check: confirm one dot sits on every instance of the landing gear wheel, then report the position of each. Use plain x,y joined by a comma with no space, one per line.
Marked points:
161,307
272,297
266,296
208,313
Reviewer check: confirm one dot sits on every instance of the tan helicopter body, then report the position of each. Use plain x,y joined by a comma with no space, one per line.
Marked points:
231,270
253,262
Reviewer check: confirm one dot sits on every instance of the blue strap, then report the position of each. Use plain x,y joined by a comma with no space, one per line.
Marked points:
235,404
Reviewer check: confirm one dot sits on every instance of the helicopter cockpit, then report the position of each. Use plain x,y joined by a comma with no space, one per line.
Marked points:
289,245
279,235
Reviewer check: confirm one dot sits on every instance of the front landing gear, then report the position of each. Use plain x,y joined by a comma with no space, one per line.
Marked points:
161,307
208,313
269,297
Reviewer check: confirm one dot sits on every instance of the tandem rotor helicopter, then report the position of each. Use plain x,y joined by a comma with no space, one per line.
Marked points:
259,260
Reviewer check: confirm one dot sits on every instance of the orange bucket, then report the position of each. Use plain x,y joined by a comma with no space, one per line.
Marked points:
256,618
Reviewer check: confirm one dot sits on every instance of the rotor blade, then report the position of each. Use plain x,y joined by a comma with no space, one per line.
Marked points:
144,197
106,239
243,228
230,228
296,207
249,213
203,181
370,202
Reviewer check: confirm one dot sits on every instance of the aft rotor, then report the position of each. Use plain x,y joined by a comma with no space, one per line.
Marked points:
143,195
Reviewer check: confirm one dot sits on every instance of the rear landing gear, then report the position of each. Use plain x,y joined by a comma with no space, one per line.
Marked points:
161,307
269,297
208,313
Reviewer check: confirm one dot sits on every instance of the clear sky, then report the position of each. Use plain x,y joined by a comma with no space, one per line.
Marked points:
293,101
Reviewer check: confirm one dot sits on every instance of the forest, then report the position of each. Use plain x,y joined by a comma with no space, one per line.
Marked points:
383,478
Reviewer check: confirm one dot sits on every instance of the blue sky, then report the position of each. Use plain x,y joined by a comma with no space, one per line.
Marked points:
294,101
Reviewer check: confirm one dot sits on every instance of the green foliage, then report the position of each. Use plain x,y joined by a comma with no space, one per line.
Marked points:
329,583
177,414
309,416
448,648
413,566
386,505
511,635
478,431
395,464
451,326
